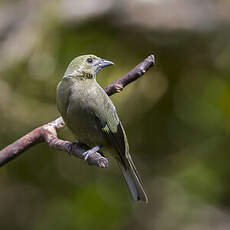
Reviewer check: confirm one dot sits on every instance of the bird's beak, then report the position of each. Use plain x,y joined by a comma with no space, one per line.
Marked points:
103,63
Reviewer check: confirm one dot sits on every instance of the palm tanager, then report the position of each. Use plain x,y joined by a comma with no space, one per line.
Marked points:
90,114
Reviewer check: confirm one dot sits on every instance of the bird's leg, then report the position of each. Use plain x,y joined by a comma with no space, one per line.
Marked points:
82,145
86,154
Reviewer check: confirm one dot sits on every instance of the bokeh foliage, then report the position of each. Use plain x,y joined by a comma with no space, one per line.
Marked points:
177,118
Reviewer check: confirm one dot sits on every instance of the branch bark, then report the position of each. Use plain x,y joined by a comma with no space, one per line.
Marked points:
48,132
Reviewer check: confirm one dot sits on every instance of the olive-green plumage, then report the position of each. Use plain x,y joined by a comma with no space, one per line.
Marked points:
91,116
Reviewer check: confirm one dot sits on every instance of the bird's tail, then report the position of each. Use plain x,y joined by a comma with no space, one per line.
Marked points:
132,179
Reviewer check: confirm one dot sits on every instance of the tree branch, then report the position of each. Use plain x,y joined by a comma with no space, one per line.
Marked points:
48,132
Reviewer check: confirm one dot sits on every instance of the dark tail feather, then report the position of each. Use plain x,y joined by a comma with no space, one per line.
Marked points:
133,181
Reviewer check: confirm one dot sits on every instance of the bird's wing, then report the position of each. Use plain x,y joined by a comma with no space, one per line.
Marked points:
113,130
115,134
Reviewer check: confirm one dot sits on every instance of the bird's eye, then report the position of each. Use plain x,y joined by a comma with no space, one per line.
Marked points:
90,60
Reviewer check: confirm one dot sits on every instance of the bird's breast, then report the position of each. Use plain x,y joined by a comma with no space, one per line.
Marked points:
85,103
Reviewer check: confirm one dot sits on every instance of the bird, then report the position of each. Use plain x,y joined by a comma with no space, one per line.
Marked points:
91,116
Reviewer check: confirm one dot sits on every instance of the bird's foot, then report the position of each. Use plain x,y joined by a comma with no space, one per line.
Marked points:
86,154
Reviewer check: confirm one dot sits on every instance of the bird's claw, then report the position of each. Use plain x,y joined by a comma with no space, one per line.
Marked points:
86,154
103,162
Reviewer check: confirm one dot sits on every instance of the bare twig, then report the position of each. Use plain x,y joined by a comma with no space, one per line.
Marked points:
118,85
48,132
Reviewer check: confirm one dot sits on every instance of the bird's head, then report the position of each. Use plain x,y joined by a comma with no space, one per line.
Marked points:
86,66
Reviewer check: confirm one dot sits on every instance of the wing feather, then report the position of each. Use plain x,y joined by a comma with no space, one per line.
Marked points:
113,130
117,140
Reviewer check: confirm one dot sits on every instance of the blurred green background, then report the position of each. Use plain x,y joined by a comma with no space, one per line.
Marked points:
177,117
